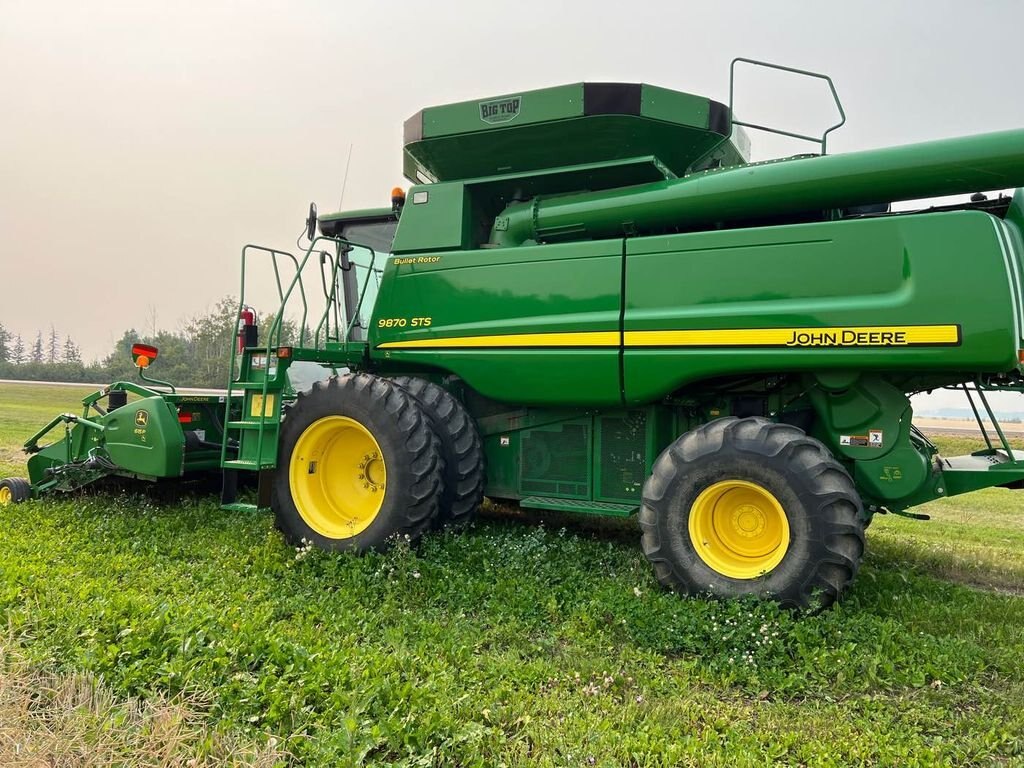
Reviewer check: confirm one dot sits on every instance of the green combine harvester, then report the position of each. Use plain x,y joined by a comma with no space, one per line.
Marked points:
590,301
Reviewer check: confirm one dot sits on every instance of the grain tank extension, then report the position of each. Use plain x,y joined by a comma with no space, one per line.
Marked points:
591,301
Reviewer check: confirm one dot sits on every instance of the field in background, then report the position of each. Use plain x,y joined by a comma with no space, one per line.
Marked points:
183,630
965,427
25,408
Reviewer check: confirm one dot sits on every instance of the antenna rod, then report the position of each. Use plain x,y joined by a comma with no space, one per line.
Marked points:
344,181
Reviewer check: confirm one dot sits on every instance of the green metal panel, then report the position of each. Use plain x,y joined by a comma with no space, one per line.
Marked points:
1011,229
478,298
620,455
569,142
145,438
503,429
674,106
502,452
539,106
74,444
552,455
555,460
435,217
541,324
561,126
963,474
142,438
579,507
892,271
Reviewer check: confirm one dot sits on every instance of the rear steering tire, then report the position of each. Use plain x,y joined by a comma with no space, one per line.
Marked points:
14,490
750,507
359,466
461,447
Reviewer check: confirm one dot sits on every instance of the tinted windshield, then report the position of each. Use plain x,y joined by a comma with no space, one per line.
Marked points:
377,235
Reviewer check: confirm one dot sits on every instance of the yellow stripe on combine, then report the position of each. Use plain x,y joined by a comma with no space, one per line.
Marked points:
576,339
858,336
842,336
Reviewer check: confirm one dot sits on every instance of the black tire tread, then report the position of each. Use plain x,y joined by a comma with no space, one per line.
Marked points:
462,448
21,489
419,447
834,493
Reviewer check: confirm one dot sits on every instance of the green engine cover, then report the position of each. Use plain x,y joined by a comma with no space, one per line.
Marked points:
613,321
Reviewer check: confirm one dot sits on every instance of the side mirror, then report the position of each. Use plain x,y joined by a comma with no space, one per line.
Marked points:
143,355
311,222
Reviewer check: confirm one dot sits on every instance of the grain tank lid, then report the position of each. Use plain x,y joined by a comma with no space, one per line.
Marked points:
565,125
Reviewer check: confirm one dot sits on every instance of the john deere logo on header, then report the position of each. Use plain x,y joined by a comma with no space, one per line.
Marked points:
500,110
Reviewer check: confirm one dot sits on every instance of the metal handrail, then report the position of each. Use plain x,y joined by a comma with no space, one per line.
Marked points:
979,390
274,330
273,335
330,299
822,141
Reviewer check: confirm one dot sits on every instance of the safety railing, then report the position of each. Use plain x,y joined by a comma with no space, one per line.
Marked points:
334,324
343,319
977,389
822,140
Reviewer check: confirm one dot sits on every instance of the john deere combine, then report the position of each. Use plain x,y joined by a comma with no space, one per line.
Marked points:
590,301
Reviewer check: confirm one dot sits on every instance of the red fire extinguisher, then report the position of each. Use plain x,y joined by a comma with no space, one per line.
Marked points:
248,334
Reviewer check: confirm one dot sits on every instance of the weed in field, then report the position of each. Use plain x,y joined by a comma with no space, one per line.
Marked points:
523,644
74,719
510,642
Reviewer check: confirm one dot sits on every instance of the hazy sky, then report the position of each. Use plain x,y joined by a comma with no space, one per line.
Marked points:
143,143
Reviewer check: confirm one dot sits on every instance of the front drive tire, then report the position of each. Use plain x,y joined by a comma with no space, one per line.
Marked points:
359,466
749,507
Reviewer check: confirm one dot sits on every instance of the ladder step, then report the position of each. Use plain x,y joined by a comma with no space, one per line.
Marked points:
245,464
578,505
268,425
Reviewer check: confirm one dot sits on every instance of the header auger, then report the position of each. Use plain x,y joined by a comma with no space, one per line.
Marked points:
590,301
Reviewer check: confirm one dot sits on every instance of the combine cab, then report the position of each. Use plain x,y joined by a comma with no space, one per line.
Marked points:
591,301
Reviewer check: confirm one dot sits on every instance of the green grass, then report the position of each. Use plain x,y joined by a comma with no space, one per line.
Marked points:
26,408
524,644
70,718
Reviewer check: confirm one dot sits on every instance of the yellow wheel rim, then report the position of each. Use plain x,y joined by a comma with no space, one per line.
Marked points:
337,477
739,529
6,497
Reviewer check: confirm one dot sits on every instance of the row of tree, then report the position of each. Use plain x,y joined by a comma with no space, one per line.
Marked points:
13,349
196,355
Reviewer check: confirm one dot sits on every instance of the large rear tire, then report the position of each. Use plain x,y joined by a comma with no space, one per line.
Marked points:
359,466
750,507
461,447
